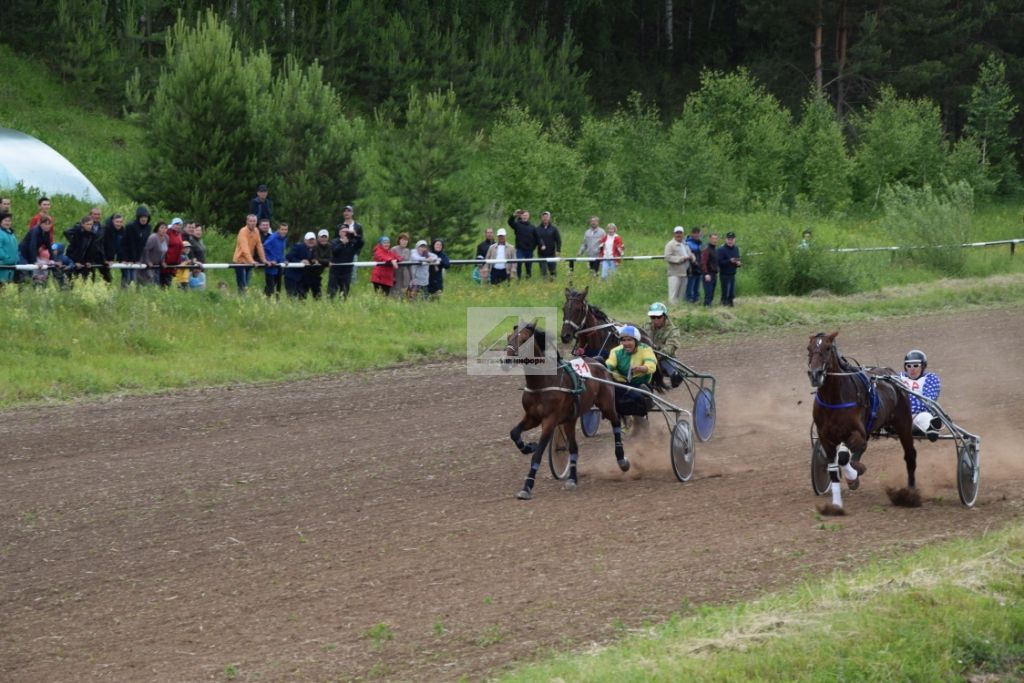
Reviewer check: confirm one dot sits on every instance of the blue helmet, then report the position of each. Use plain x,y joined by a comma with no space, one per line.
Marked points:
629,331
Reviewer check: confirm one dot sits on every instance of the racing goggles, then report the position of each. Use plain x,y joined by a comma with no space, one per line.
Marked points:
908,366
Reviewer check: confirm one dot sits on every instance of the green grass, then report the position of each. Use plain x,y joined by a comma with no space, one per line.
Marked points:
95,339
944,613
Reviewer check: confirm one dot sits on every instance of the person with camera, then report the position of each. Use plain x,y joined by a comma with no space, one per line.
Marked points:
526,239
728,263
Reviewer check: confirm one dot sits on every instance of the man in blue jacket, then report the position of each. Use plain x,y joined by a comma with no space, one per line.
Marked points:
693,280
728,262
274,249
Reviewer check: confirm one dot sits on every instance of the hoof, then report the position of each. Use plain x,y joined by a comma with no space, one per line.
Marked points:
904,497
860,467
529,448
831,510
524,495
569,485
624,465
853,485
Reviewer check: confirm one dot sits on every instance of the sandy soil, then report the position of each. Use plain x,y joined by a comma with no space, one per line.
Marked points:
357,528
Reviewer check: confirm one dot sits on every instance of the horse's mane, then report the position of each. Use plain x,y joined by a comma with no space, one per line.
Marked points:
845,364
601,316
540,337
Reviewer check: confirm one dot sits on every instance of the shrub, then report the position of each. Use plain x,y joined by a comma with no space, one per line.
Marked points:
787,267
931,225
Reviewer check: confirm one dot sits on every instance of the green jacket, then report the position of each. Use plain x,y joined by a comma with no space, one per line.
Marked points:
667,340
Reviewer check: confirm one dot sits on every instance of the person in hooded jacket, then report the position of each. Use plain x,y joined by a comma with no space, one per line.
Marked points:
136,234
85,246
41,235
436,283
313,276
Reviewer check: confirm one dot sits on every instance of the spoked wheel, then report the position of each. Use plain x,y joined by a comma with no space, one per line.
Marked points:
590,422
682,451
558,454
704,414
819,465
968,472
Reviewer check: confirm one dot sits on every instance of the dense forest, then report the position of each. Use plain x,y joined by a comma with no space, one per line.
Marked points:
412,104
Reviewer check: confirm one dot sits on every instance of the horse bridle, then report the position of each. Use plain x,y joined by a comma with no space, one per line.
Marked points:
585,308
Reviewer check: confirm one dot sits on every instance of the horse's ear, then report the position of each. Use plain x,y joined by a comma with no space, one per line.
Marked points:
569,292
585,290
832,336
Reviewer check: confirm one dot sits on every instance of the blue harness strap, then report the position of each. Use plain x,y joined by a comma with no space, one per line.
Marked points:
872,402
833,406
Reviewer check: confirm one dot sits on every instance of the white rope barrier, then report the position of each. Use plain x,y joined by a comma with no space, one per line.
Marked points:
477,262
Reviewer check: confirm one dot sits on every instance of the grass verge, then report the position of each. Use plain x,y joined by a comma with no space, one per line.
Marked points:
954,611
96,339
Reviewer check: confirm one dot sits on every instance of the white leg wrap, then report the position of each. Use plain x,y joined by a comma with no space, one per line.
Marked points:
851,474
923,421
837,496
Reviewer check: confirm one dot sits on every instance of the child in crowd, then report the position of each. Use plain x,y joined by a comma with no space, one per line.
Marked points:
181,275
196,278
44,263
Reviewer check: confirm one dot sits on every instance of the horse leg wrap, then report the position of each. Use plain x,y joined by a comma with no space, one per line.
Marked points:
573,457
843,454
837,495
851,474
620,452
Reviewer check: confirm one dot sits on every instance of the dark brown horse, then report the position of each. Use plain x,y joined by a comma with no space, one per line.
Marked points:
852,404
554,398
593,333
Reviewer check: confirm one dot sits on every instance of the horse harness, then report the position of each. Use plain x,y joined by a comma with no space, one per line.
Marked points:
869,384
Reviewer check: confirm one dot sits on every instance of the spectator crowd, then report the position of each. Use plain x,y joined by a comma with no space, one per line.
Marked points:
173,254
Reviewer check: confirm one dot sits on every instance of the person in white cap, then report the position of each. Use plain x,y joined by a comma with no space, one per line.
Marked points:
321,259
301,252
423,259
678,259
632,363
500,252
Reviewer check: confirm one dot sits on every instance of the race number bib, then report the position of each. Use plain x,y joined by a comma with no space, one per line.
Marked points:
912,384
580,367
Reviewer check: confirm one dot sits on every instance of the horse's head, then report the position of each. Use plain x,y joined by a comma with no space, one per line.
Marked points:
520,337
821,353
574,313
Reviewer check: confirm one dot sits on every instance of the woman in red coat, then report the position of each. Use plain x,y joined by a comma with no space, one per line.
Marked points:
383,276
611,250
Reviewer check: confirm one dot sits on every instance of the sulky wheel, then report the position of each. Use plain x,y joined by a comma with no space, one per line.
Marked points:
968,472
590,422
682,451
819,465
558,454
704,414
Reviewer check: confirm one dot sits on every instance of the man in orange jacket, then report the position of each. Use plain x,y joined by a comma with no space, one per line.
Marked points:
248,252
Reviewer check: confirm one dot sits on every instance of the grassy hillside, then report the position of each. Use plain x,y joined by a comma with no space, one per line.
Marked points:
33,101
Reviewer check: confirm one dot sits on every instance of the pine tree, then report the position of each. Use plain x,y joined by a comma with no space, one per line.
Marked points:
207,154
820,163
990,113
412,172
310,147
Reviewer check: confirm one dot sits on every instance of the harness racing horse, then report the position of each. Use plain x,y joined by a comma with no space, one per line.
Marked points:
851,405
594,333
552,399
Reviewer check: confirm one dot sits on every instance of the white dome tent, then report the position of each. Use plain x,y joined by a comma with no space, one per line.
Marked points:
33,163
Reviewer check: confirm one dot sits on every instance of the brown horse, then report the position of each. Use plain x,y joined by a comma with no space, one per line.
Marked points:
595,335
850,406
555,398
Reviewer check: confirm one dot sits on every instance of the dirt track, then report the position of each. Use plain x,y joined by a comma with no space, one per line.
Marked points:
276,529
